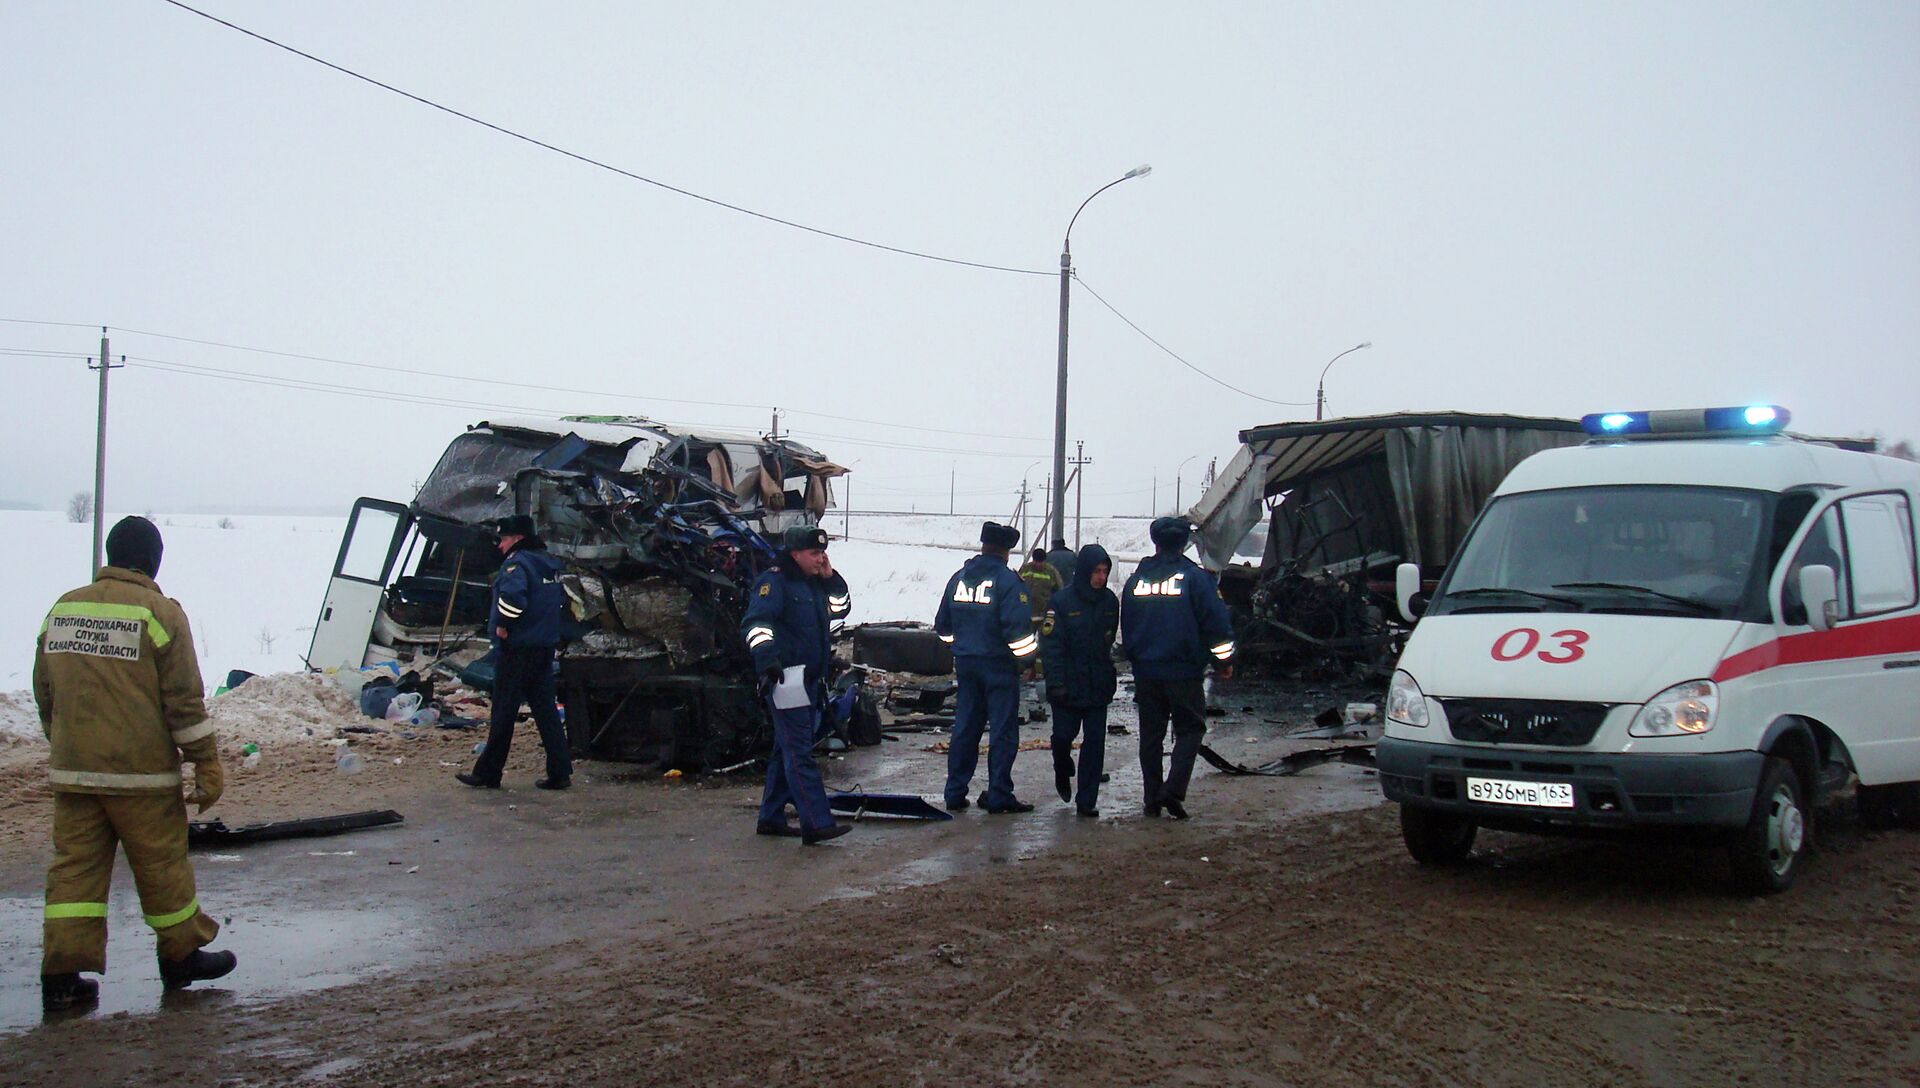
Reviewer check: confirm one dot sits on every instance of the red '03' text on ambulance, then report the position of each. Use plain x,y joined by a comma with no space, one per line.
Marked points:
1694,621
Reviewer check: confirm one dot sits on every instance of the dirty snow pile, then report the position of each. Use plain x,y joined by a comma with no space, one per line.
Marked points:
285,708
19,721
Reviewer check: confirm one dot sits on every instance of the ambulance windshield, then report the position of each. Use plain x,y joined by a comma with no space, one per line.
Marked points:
1642,549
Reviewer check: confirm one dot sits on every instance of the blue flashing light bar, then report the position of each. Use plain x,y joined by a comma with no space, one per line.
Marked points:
1744,419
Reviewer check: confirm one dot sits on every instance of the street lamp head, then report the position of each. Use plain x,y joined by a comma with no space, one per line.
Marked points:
1366,343
1140,171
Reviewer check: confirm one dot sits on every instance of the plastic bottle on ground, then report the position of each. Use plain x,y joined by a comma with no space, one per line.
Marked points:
426,715
349,761
252,760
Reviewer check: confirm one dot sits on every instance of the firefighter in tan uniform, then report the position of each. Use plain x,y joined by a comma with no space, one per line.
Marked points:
120,699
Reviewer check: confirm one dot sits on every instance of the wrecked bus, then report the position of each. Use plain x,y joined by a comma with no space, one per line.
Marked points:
661,532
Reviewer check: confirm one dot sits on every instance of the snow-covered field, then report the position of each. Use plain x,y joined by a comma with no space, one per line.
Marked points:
253,590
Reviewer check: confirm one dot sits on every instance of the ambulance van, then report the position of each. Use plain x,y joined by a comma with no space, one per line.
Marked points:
1693,622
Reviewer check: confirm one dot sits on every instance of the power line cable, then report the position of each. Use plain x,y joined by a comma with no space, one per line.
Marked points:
307,385
1176,355
590,161
536,386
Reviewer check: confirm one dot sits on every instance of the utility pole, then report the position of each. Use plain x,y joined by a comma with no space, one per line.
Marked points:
846,520
1079,458
100,461
951,472
1047,508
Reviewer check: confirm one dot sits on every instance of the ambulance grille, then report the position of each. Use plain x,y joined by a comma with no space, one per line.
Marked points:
1524,721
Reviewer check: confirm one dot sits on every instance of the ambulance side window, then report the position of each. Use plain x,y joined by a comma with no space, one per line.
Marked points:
1824,546
1879,535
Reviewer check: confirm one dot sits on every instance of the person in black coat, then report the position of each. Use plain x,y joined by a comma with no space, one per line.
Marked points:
1076,643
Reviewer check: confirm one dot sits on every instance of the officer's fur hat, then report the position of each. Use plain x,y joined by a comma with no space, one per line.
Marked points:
995,535
799,538
1170,534
514,525
134,543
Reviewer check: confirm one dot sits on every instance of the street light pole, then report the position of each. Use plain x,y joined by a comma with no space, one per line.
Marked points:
1059,518
1320,394
1176,482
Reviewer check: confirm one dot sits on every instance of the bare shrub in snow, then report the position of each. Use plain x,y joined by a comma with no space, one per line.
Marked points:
80,506
227,523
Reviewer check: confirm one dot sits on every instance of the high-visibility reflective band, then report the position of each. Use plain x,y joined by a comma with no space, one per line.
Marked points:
946,638
168,921
509,611
837,602
98,610
1024,645
193,732
1224,650
76,910
759,636
101,780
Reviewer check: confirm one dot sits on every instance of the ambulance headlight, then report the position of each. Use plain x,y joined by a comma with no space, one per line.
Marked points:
1681,710
1406,703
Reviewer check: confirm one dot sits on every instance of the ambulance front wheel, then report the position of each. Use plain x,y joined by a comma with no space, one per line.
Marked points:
1436,838
1768,852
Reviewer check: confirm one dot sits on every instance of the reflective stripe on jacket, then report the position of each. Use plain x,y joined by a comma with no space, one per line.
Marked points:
984,613
789,618
118,688
528,599
1173,621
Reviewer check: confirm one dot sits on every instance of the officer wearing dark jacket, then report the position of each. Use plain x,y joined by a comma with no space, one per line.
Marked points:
787,627
1062,559
1173,625
524,625
1076,643
984,613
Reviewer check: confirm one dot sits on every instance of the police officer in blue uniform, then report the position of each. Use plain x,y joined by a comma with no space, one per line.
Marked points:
787,628
1173,624
984,614
1076,643
524,625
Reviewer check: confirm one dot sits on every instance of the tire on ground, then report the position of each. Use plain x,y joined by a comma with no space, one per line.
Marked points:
902,649
1768,853
1434,837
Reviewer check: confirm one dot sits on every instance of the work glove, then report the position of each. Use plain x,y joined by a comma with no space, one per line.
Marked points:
769,677
209,782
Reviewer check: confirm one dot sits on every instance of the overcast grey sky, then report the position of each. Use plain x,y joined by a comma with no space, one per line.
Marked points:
1529,208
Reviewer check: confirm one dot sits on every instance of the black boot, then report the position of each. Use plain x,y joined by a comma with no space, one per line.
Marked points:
553,783
202,966
1063,773
467,779
812,838
68,991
